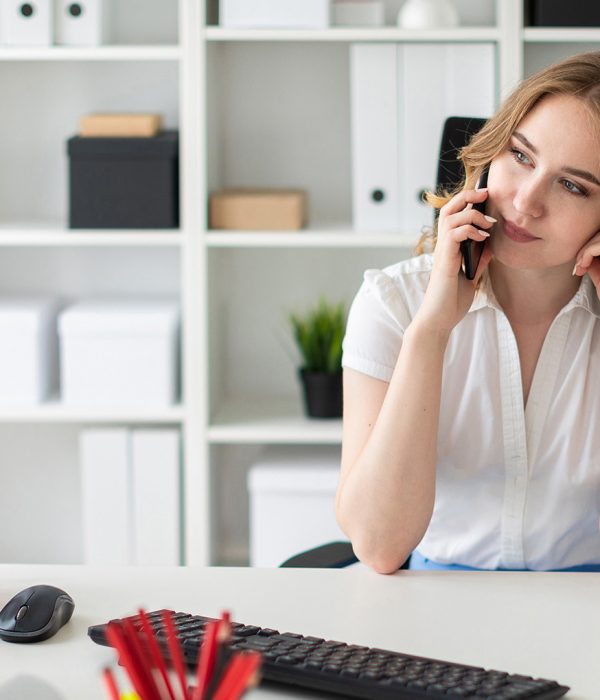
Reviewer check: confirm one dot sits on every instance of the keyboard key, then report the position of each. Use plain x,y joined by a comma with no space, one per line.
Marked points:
258,643
291,638
351,672
370,675
286,660
417,685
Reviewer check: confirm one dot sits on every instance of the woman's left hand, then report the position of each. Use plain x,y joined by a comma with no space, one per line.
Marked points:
588,261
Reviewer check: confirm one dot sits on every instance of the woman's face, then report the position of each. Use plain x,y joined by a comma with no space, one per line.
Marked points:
544,188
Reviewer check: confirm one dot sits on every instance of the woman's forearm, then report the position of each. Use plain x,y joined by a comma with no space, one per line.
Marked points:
386,500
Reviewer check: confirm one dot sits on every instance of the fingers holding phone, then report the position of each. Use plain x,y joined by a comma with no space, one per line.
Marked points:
472,250
449,293
463,229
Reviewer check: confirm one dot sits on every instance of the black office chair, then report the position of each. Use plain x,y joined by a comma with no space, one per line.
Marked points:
456,133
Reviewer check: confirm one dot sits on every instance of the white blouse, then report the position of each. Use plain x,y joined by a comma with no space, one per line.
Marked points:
517,486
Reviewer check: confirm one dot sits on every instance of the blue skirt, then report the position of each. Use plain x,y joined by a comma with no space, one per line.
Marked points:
420,563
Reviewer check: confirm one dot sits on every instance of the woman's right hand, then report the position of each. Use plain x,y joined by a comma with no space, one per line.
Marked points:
449,293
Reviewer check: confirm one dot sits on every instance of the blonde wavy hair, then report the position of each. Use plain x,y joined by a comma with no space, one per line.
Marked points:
578,76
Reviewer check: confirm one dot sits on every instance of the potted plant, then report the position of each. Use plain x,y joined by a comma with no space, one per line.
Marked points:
319,334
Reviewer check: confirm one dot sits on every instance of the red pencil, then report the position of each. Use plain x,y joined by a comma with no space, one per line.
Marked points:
117,639
155,652
141,654
175,653
240,673
222,654
111,684
206,660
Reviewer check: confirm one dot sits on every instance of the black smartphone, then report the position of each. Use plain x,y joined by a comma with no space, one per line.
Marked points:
472,250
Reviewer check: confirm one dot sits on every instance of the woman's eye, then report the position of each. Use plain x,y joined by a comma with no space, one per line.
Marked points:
519,156
572,187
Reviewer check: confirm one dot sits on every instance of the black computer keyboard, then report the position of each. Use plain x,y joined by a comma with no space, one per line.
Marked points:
350,669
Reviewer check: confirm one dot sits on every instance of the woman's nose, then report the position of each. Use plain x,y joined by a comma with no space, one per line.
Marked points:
529,197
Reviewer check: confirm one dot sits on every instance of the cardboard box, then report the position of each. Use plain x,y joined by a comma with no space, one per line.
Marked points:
274,14
119,353
258,210
120,124
292,502
28,350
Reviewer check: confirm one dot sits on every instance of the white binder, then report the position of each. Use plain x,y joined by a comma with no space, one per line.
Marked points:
155,456
374,95
106,496
432,87
25,23
401,96
83,23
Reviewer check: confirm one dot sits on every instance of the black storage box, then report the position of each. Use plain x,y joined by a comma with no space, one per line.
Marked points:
124,182
558,13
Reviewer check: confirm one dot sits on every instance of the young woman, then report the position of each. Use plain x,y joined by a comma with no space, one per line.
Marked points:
472,409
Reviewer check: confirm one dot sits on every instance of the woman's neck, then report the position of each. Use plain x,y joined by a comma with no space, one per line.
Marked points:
532,297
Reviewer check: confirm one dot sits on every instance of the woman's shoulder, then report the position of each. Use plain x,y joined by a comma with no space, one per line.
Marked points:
383,308
395,292
407,278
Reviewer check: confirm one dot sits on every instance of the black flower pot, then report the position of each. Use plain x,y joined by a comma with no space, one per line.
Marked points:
322,394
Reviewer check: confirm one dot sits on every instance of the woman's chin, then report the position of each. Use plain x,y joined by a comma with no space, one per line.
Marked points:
517,259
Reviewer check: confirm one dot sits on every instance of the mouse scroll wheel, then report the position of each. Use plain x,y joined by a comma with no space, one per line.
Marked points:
21,612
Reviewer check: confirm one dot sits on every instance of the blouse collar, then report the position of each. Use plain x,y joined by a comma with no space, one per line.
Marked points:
585,297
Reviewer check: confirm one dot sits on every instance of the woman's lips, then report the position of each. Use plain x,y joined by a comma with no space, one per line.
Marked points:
519,235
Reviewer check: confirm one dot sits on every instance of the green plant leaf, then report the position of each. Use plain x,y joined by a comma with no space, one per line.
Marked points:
319,334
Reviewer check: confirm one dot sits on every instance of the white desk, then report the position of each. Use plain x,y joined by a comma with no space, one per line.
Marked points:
545,625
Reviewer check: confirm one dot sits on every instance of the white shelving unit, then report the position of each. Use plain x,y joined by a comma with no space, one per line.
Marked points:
43,234
47,89
462,34
54,412
254,108
98,53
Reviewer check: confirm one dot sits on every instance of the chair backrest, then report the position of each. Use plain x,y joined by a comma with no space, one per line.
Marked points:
457,133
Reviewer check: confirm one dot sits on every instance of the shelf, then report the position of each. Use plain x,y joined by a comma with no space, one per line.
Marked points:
270,421
562,34
343,34
55,412
310,238
43,234
90,53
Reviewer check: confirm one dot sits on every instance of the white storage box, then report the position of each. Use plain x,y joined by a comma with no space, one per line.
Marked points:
119,353
358,13
28,350
292,502
26,23
83,23
274,14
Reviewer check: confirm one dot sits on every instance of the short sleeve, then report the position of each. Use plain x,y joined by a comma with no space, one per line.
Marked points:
378,317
